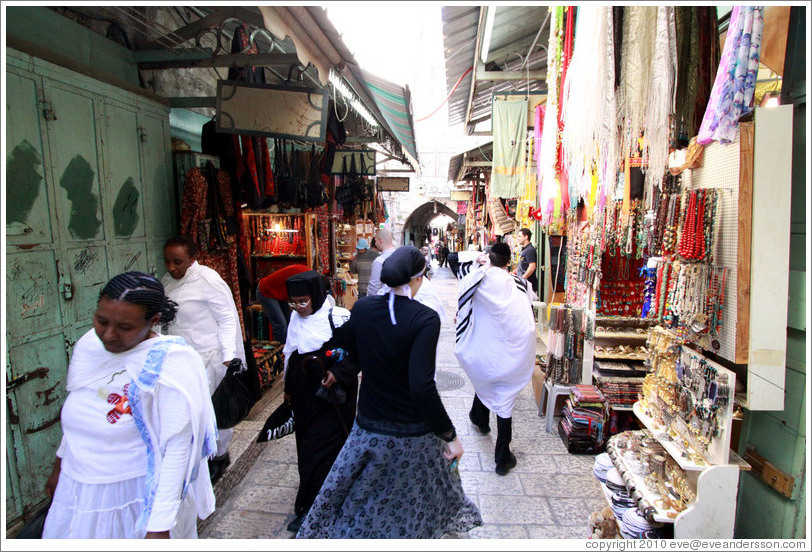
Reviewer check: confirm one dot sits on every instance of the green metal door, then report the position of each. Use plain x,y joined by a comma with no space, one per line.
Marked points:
89,195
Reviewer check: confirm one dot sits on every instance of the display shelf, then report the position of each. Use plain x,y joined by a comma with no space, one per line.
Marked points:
278,256
621,335
672,449
602,356
712,513
621,408
636,483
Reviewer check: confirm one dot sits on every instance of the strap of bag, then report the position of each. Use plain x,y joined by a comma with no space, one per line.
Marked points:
330,319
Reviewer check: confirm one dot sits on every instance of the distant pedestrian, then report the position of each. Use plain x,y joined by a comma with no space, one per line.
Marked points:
385,244
396,476
495,307
361,265
443,253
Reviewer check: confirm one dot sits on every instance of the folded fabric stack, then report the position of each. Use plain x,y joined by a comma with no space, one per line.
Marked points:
620,391
583,418
635,526
603,463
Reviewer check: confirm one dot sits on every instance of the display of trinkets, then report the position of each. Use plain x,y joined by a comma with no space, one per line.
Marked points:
690,397
276,235
565,344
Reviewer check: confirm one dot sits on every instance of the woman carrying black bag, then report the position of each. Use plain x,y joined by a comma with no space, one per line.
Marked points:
321,420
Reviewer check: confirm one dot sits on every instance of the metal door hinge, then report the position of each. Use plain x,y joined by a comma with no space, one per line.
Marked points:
142,134
48,112
769,474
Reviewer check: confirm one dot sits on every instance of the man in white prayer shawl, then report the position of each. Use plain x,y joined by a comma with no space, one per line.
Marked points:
496,345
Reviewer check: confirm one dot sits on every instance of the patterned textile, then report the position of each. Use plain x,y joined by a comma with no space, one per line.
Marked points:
382,486
193,210
733,91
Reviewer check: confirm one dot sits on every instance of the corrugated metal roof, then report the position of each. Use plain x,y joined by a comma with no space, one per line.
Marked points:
459,168
515,29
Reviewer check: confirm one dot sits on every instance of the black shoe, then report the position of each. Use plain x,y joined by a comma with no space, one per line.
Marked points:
484,430
504,468
217,467
294,525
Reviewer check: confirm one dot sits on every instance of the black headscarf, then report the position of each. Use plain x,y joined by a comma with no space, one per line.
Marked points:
402,265
308,283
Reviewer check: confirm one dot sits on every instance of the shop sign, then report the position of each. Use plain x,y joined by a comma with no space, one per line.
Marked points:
393,184
295,113
459,195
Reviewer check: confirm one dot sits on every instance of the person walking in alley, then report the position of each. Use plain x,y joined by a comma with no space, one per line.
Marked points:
496,345
385,244
443,253
397,475
207,319
361,265
527,259
137,425
321,423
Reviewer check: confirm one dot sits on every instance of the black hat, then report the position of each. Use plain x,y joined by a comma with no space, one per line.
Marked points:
308,283
402,265
501,248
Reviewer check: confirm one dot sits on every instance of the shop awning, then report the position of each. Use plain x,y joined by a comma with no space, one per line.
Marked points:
395,105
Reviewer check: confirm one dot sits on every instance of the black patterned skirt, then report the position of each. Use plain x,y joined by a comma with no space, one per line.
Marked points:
383,486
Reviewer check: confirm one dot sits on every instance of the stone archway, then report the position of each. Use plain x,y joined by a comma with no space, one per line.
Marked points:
422,216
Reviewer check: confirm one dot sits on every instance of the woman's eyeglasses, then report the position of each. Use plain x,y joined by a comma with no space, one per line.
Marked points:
299,304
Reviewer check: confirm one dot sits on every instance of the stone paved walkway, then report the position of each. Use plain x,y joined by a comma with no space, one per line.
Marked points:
548,495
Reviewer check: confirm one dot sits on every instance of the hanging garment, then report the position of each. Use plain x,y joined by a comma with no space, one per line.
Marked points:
509,131
733,91
639,33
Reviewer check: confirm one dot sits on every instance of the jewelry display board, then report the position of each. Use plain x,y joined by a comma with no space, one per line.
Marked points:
687,402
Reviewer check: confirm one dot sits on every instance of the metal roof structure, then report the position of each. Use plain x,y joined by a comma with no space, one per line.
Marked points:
297,45
514,41
466,167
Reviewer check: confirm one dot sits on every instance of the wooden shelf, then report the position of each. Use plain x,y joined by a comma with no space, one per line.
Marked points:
278,256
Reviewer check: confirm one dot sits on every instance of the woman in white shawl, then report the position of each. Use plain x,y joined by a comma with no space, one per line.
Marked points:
321,418
138,425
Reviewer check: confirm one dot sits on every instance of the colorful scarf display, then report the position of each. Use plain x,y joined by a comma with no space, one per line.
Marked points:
735,85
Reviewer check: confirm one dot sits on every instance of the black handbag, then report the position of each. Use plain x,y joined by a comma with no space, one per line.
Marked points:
278,424
233,399
33,527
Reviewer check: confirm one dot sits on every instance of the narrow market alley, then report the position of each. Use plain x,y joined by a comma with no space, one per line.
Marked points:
548,495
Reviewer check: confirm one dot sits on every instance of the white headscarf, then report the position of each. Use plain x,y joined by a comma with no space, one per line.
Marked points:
309,333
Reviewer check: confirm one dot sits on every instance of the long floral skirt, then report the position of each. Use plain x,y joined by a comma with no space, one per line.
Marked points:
383,486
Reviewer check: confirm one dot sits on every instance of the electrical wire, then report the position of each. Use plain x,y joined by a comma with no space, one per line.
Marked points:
449,96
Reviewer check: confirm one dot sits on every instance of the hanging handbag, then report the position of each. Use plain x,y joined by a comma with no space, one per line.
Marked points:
314,188
233,399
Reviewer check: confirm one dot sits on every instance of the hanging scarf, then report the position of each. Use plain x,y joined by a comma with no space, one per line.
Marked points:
640,30
589,108
548,154
733,91
661,98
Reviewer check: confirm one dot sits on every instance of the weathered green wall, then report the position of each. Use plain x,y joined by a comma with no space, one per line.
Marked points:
187,125
47,29
780,437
